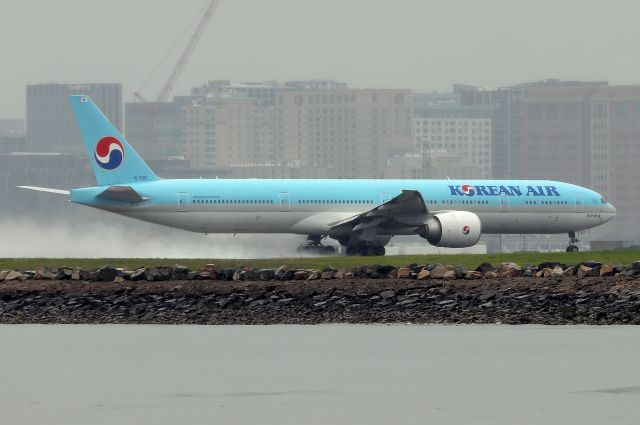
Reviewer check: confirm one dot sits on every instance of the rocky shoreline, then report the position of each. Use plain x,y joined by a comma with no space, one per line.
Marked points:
550,293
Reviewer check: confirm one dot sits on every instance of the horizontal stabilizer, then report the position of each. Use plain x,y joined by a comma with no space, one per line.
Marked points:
122,193
46,189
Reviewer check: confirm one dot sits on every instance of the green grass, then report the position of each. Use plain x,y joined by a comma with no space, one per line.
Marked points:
470,261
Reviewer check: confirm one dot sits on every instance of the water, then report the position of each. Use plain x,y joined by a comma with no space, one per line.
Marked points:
331,374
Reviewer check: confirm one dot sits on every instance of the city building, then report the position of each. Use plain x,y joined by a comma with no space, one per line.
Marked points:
11,126
155,129
588,135
309,129
452,139
51,125
12,136
507,120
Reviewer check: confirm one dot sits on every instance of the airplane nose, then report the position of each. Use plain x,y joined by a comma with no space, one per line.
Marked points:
610,212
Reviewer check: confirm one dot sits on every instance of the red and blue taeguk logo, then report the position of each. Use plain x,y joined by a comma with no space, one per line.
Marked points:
466,230
468,190
109,153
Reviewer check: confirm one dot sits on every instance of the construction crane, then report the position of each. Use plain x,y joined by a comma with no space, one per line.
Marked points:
167,88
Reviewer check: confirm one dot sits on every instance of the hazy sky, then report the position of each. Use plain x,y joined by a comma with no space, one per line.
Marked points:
419,44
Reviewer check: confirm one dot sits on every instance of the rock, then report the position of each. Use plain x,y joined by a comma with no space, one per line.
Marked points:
424,274
156,274
606,270
507,270
265,274
64,273
327,274
44,273
314,275
13,275
528,270
484,268
635,265
138,274
283,273
384,272
404,273
225,274
489,274
79,274
214,270
442,272
179,272
583,271
557,273
551,265
118,279
300,275
619,268
460,271
106,274
341,274
570,271
472,275
3,274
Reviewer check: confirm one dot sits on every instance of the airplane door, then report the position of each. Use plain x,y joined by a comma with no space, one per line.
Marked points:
285,203
579,203
504,203
385,197
183,201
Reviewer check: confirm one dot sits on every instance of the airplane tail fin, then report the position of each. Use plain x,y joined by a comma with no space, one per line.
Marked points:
113,159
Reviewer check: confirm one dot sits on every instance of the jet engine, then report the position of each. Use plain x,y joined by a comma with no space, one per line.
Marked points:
452,229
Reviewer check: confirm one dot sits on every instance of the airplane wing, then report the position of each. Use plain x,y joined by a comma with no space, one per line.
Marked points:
400,215
46,189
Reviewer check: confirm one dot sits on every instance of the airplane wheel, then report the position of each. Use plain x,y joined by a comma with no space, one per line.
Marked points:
367,251
572,248
329,250
379,251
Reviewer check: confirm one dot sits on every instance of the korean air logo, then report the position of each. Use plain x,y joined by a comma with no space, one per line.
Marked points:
468,190
109,153
466,230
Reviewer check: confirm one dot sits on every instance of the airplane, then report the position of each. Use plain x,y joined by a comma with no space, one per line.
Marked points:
362,215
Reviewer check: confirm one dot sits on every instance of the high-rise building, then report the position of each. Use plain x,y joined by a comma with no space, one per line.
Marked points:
507,122
350,132
452,139
588,135
155,129
51,125
316,128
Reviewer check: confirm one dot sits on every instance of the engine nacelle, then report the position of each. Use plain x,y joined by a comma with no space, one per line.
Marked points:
452,229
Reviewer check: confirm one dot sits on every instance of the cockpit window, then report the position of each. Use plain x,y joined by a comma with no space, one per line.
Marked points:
603,201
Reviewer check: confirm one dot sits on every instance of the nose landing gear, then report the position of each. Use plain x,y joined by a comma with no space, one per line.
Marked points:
572,243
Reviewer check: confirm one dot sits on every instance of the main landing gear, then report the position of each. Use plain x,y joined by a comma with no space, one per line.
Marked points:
572,243
365,250
314,246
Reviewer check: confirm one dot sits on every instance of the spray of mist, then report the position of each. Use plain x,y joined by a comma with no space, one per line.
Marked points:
36,238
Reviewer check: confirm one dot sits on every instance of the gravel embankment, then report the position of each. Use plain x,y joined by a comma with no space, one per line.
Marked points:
512,300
